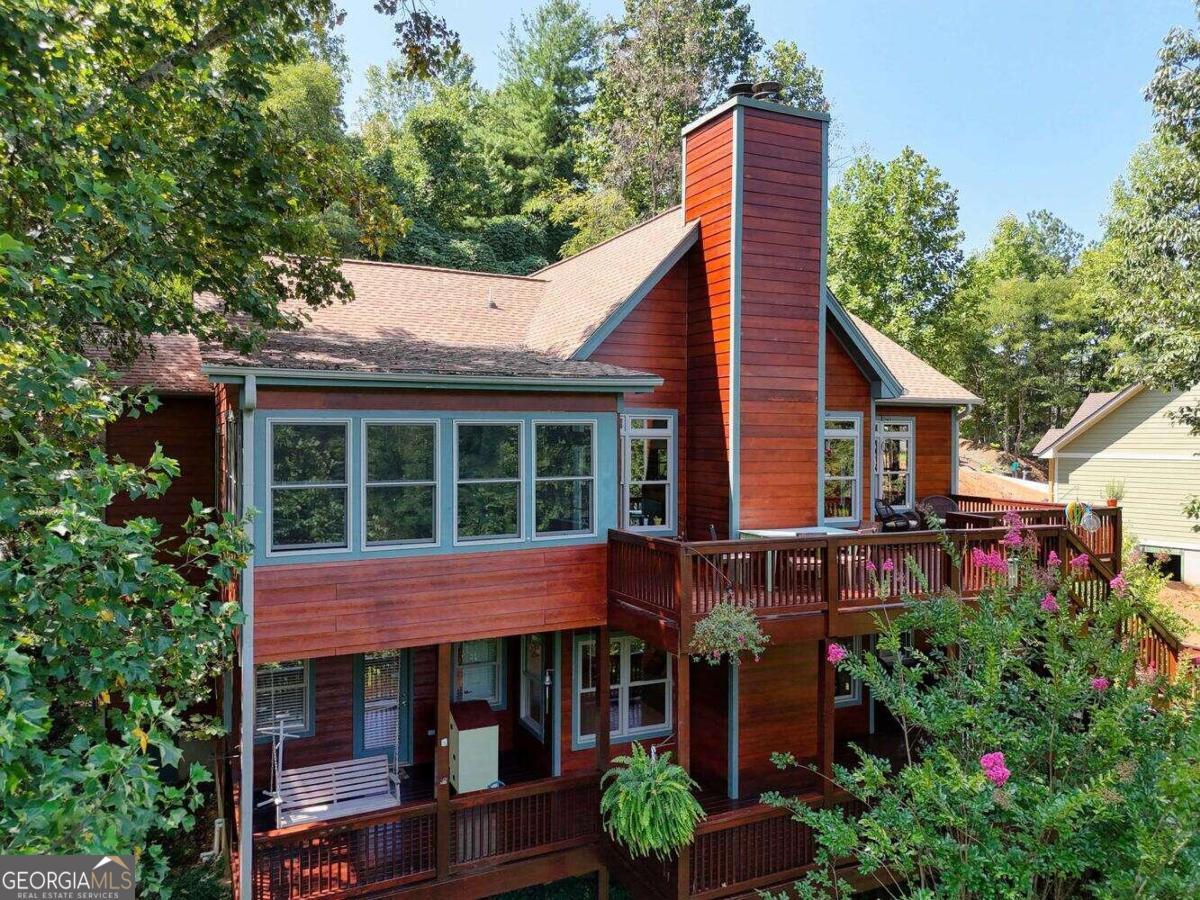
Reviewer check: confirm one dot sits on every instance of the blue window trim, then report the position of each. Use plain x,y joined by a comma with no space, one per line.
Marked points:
671,529
858,445
578,743
502,661
310,671
406,715
607,442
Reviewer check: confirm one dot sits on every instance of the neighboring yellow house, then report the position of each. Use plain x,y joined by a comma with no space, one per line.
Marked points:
1129,437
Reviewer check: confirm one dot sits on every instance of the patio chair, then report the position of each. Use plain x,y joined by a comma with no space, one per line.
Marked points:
892,520
938,505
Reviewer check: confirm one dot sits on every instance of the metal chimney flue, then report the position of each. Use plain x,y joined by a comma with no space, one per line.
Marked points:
767,90
741,89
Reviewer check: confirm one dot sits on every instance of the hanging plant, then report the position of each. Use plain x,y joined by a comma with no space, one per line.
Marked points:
648,804
729,630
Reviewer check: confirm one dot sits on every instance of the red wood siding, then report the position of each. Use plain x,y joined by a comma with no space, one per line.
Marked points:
326,609
708,197
324,398
782,187
848,390
653,338
935,445
777,712
710,725
333,734
185,427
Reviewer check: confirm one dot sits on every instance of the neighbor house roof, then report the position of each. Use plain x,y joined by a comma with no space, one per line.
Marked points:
1095,406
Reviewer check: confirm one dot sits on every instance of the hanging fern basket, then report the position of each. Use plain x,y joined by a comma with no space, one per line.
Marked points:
647,804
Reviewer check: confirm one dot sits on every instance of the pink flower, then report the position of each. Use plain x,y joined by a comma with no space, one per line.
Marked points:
1050,603
994,769
992,560
888,565
741,639
1052,559
871,566
1012,539
1119,584
1100,683
1080,561
1012,519
836,653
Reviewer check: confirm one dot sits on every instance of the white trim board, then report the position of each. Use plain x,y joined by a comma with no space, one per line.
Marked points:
1129,455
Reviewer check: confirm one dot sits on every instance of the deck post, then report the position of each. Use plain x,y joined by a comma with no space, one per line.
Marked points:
826,679
1118,541
683,704
603,702
833,585
441,761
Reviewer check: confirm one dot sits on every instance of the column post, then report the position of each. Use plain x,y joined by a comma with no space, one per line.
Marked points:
826,678
602,699
441,761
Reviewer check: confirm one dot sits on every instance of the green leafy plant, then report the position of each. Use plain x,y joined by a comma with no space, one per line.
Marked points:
1115,490
648,804
729,630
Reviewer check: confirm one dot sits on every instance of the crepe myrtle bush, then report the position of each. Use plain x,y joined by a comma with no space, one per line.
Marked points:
1038,756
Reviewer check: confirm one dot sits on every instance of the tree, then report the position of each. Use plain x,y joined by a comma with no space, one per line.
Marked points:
895,252
803,84
1039,758
1041,245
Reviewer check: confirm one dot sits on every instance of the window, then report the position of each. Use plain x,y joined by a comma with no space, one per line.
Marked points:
488,489
648,467
384,687
895,462
400,505
847,690
282,694
843,480
639,689
309,484
533,682
479,671
564,479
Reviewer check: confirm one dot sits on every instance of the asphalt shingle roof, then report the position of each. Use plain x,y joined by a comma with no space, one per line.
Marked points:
918,380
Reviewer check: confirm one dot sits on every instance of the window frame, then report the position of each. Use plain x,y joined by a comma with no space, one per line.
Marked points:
910,433
528,683
855,697
536,479
627,434
308,685
269,519
521,480
365,545
500,702
404,710
580,741
856,436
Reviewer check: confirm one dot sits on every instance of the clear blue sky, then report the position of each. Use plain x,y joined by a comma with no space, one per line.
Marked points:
1023,104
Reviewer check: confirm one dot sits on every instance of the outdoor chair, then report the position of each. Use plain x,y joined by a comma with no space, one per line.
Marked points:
891,520
938,505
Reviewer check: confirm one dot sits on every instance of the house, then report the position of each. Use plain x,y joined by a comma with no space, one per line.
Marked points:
1131,437
492,509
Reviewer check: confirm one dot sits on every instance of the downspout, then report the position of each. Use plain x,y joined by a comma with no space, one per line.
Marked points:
249,398
954,461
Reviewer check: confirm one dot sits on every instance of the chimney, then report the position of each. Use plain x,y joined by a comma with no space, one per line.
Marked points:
754,176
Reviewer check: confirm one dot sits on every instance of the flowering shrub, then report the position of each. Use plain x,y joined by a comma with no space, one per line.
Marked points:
1039,758
728,630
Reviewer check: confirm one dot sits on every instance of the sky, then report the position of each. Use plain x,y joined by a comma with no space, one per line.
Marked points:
1022,104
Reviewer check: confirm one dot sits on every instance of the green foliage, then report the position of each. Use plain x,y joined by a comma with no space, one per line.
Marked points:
803,83
648,804
1097,794
728,630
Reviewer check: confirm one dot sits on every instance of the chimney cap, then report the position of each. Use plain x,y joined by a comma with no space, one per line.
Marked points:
767,90
741,88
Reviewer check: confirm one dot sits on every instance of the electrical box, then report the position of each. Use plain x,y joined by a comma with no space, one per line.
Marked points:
474,746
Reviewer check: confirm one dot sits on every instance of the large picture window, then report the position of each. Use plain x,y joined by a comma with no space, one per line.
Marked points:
895,462
309,485
384,687
648,467
479,671
639,689
488,488
282,695
843,464
533,682
565,478
400,505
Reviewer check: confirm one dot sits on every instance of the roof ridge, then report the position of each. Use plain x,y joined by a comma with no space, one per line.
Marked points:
397,265
620,234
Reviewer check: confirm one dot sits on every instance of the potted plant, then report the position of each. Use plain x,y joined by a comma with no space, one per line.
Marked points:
648,805
730,630
1114,492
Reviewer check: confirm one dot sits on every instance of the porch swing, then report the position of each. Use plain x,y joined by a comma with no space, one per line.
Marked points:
334,790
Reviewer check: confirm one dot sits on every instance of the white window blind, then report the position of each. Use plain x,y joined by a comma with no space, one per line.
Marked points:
477,671
383,698
281,693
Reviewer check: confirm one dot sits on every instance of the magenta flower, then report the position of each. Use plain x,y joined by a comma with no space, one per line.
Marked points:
1050,603
888,565
991,560
836,653
1053,559
1080,561
741,639
871,566
994,769
1012,539
1119,584
1100,683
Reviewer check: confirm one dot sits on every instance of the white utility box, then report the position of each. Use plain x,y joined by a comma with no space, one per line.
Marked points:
474,746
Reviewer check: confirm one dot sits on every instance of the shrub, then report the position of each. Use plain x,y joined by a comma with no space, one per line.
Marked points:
648,804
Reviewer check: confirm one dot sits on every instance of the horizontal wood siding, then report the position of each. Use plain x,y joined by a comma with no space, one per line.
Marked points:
333,729
782,185
273,397
707,197
777,713
935,445
326,609
848,390
653,338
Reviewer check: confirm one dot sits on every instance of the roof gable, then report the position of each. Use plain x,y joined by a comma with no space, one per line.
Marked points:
1095,406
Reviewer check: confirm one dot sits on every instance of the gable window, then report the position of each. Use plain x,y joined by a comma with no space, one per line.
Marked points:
847,690
564,480
283,694
895,462
533,683
383,687
488,488
639,689
479,671
401,473
648,467
309,485
843,463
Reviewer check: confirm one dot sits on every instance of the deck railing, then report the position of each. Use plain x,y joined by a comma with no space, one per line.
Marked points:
739,851
985,512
